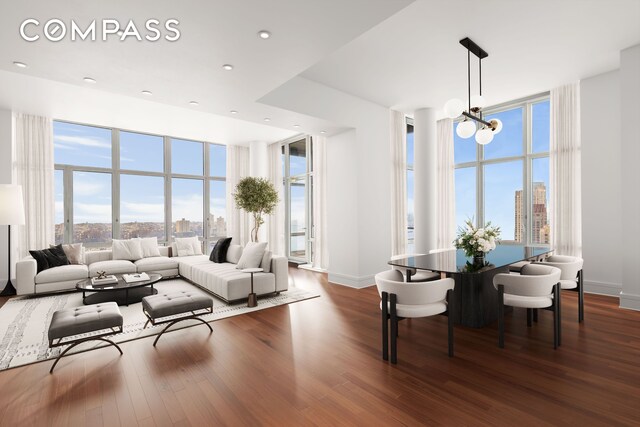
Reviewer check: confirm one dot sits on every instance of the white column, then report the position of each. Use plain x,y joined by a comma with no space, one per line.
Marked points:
258,159
630,111
259,167
424,167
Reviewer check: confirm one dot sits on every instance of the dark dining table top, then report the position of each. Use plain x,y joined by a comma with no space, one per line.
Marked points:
455,260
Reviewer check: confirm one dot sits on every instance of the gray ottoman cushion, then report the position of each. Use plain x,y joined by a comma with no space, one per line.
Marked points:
178,302
81,320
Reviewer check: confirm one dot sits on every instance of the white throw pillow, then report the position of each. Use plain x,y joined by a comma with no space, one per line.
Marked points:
252,255
126,249
185,248
196,246
149,247
266,261
234,253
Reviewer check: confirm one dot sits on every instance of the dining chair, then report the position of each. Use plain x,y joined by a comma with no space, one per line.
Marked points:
400,300
537,286
571,277
413,274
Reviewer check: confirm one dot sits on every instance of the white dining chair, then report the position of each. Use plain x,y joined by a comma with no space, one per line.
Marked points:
537,286
571,277
400,300
413,274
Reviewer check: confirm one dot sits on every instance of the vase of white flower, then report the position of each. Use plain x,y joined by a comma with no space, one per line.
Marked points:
477,242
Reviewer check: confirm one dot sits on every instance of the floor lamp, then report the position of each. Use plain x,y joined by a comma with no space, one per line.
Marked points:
11,213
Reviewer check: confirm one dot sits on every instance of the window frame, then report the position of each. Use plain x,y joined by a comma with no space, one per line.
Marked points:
116,171
526,158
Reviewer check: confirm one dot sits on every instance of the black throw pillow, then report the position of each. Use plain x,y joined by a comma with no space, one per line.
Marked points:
219,252
48,258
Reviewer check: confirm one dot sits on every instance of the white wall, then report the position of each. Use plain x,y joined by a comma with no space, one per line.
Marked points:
6,166
630,115
358,178
601,183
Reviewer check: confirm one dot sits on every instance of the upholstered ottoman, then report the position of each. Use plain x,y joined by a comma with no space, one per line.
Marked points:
72,322
186,304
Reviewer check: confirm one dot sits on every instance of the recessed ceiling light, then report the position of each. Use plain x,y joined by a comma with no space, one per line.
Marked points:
323,131
267,119
19,64
89,80
147,92
264,34
233,112
193,102
227,67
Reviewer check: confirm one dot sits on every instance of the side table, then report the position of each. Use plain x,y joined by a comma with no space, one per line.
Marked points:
252,301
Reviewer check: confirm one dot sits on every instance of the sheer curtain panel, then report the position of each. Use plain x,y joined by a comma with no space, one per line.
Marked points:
275,221
445,190
34,172
398,146
565,194
237,168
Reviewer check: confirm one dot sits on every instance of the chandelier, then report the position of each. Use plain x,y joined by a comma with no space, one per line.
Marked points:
454,108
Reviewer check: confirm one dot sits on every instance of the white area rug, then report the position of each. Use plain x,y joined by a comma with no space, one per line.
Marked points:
24,321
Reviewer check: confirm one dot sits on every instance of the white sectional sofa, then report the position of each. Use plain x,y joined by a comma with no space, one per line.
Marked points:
221,279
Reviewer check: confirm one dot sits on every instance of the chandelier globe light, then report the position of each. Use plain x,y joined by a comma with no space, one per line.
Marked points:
455,108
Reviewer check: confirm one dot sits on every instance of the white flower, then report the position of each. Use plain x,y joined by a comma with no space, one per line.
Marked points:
480,232
460,241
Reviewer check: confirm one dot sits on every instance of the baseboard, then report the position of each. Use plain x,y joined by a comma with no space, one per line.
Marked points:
351,281
602,288
630,301
310,267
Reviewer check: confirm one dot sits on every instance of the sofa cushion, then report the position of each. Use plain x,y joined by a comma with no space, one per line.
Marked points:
185,264
126,249
234,253
112,267
219,252
252,255
157,263
74,253
149,247
63,273
230,283
183,243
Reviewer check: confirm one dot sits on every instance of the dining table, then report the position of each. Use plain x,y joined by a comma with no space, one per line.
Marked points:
475,300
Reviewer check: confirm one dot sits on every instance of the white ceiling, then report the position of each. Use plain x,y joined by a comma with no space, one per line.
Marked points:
414,60
213,33
396,53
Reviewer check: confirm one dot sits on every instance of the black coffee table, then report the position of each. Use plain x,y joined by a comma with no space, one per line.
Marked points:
122,292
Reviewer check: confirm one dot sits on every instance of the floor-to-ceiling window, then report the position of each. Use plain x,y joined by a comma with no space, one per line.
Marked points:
111,183
507,181
298,179
410,203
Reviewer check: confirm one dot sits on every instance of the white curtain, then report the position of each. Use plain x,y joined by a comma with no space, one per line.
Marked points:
321,252
445,190
565,193
275,221
238,225
398,146
34,171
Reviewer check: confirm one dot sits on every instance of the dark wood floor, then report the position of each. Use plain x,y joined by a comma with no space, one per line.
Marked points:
317,362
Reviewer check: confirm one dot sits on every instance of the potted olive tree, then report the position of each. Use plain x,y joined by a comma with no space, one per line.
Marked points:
257,196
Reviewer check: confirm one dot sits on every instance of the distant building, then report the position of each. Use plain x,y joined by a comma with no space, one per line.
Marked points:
183,226
519,228
540,223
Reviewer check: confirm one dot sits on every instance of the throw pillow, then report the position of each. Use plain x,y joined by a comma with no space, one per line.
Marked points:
126,249
252,255
48,258
185,248
219,252
234,253
149,247
266,261
193,241
74,252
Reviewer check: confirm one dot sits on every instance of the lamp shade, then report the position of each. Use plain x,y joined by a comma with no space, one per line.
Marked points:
453,108
11,205
465,129
484,136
